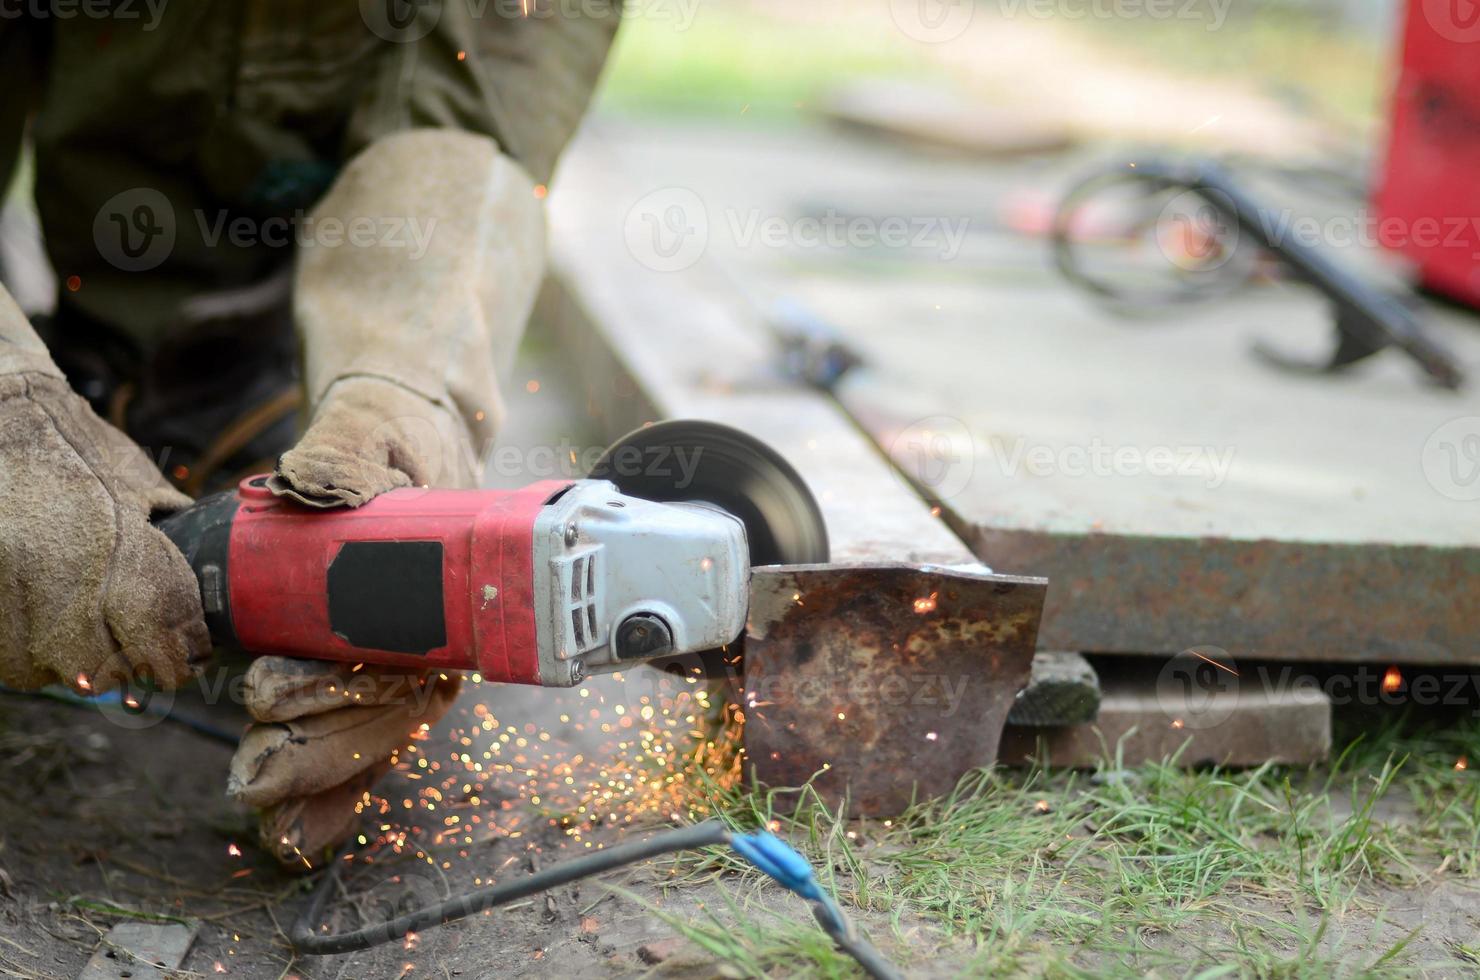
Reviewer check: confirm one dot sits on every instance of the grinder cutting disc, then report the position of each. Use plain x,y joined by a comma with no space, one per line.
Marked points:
687,460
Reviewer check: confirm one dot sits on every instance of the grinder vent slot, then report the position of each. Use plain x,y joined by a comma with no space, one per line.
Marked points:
579,613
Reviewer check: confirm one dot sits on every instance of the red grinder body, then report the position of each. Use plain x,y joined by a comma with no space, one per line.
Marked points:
425,578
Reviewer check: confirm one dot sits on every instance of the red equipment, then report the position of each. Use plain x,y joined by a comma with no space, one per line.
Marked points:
1428,198
539,585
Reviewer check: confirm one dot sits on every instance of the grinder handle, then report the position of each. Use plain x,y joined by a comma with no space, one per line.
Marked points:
202,532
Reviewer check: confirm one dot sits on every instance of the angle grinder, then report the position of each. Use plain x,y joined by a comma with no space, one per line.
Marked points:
648,557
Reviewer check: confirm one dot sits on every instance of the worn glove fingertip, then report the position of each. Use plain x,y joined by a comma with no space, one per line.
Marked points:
328,478
300,831
245,778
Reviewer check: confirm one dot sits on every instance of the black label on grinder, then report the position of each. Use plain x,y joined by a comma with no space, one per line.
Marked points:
387,595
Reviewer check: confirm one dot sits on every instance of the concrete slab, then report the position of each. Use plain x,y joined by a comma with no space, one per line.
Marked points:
1143,722
1175,490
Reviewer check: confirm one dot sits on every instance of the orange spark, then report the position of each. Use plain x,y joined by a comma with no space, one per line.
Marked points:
1461,764
1392,680
926,604
1214,662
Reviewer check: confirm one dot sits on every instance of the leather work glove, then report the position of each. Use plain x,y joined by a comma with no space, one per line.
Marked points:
325,734
402,343
91,595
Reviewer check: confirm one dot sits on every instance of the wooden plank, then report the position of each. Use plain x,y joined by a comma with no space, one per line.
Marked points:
932,119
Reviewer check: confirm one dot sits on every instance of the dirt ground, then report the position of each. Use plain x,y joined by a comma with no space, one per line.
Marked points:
101,823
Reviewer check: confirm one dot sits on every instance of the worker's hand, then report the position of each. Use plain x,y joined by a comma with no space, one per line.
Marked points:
90,594
325,733
370,435
402,340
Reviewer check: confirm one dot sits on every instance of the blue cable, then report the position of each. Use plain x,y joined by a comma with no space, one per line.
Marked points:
778,859
62,695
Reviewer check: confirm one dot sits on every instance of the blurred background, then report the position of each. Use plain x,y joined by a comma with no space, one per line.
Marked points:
1098,70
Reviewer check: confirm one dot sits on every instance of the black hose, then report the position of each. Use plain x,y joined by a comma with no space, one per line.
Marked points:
306,938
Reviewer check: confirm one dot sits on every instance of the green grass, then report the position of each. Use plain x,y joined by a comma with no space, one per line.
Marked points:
1287,50
722,58
1153,871
734,58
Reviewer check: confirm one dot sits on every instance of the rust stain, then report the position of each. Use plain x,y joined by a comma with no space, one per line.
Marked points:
890,699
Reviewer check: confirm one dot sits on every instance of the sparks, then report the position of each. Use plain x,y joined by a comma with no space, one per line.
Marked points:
667,752
233,850
1220,666
1461,764
925,605
1392,680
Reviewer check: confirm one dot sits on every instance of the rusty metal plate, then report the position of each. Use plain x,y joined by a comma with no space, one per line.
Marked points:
889,681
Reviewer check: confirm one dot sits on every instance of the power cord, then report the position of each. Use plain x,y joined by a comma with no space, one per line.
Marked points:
765,851
114,700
